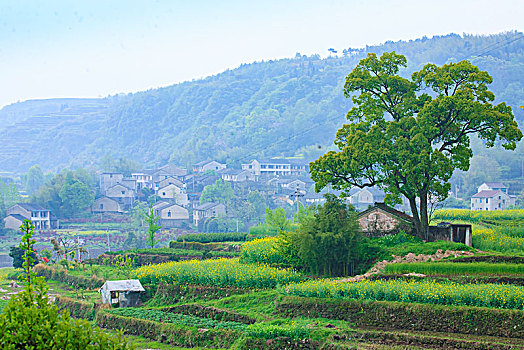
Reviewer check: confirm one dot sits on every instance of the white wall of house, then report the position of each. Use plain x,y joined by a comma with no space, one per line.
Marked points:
174,212
499,201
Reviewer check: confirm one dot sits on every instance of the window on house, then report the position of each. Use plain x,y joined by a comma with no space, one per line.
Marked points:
499,205
168,214
503,201
123,192
487,200
163,193
499,198
110,175
481,200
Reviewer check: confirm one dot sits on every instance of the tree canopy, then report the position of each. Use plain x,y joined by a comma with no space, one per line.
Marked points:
407,136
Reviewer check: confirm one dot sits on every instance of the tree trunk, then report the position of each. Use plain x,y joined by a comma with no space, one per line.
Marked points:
416,218
424,221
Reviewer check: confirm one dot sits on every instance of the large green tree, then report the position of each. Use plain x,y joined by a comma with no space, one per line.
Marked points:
75,196
409,135
220,192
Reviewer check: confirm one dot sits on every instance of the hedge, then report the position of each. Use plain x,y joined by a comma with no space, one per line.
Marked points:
204,246
76,308
167,294
61,275
169,333
209,312
214,237
421,317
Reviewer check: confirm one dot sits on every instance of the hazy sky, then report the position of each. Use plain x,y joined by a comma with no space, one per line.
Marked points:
94,48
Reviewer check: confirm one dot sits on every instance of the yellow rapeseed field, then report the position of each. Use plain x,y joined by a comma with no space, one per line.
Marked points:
428,291
220,272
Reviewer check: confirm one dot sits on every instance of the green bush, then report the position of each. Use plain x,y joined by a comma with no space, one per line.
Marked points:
263,231
428,248
62,275
30,321
328,243
271,331
167,294
213,237
76,308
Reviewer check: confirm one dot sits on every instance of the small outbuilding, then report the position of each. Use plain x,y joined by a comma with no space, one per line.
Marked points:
125,293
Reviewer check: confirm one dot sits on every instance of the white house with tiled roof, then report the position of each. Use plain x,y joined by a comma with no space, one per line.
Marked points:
493,186
491,200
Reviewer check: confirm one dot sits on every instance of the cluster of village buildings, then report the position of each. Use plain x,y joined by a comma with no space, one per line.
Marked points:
178,192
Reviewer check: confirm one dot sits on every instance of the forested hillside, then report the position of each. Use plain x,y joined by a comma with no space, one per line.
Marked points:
288,107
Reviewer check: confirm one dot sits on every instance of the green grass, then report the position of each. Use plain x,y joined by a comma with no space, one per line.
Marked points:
450,268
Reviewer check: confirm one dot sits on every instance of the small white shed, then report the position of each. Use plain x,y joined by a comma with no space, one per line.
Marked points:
125,293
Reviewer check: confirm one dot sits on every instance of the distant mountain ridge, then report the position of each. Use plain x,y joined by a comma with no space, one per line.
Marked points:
286,107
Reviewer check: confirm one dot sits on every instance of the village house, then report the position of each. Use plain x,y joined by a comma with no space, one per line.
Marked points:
125,293
492,196
361,198
173,192
274,167
106,205
148,177
170,180
107,180
171,215
382,219
39,216
491,200
204,166
122,194
493,186
236,175
207,210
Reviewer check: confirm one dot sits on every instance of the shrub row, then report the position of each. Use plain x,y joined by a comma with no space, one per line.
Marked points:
167,294
210,312
422,341
77,309
214,237
204,246
61,275
420,317
492,259
449,268
169,333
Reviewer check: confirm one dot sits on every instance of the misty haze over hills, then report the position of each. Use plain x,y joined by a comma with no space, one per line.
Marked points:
288,107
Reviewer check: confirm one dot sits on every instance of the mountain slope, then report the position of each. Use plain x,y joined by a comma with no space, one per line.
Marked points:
276,108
